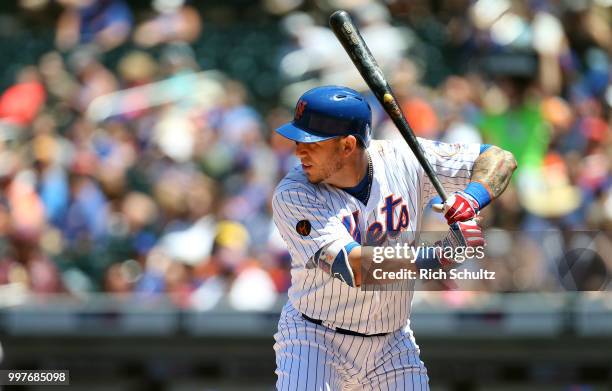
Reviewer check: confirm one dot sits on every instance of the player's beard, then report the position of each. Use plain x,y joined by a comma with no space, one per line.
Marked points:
328,170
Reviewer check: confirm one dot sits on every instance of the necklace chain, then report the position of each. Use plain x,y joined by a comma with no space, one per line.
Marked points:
370,177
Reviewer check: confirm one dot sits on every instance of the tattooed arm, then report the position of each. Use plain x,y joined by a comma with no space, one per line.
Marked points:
491,174
493,169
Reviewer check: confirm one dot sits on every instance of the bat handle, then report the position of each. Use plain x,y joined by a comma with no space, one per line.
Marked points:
439,188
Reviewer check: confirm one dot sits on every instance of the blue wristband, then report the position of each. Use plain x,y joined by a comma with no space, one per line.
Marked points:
427,259
350,247
479,193
484,147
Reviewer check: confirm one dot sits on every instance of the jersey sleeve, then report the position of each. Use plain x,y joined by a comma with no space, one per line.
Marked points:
452,163
319,225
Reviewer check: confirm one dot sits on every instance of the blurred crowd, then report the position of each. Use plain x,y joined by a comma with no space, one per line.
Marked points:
155,175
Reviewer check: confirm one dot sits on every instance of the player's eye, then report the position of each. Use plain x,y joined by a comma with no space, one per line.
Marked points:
307,146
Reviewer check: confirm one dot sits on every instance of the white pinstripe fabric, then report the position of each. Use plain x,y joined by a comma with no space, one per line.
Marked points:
397,174
312,357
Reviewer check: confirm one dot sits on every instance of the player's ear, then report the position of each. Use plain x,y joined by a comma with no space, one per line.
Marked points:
349,144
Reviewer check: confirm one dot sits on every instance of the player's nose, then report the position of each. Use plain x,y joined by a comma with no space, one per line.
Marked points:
300,149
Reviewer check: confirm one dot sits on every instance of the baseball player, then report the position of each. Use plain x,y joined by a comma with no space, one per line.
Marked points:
348,194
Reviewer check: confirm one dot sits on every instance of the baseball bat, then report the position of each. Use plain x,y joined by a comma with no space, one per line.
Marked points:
349,36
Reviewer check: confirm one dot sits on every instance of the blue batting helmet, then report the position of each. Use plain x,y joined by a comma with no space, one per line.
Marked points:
327,112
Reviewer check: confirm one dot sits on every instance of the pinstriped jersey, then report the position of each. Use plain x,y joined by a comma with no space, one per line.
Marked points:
310,216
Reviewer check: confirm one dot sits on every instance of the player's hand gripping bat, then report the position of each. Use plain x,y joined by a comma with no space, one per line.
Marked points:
358,51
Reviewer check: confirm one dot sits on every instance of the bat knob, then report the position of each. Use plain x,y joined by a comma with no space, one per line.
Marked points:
338,18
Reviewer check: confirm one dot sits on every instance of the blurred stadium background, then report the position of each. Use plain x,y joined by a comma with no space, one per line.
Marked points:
137,161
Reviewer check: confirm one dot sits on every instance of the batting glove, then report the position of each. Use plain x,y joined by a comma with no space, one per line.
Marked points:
461,235
460,206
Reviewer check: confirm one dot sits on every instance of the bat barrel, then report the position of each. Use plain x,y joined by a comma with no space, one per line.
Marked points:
354,44
348,35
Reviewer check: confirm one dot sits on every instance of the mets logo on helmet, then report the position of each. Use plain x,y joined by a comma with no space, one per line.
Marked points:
299,109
